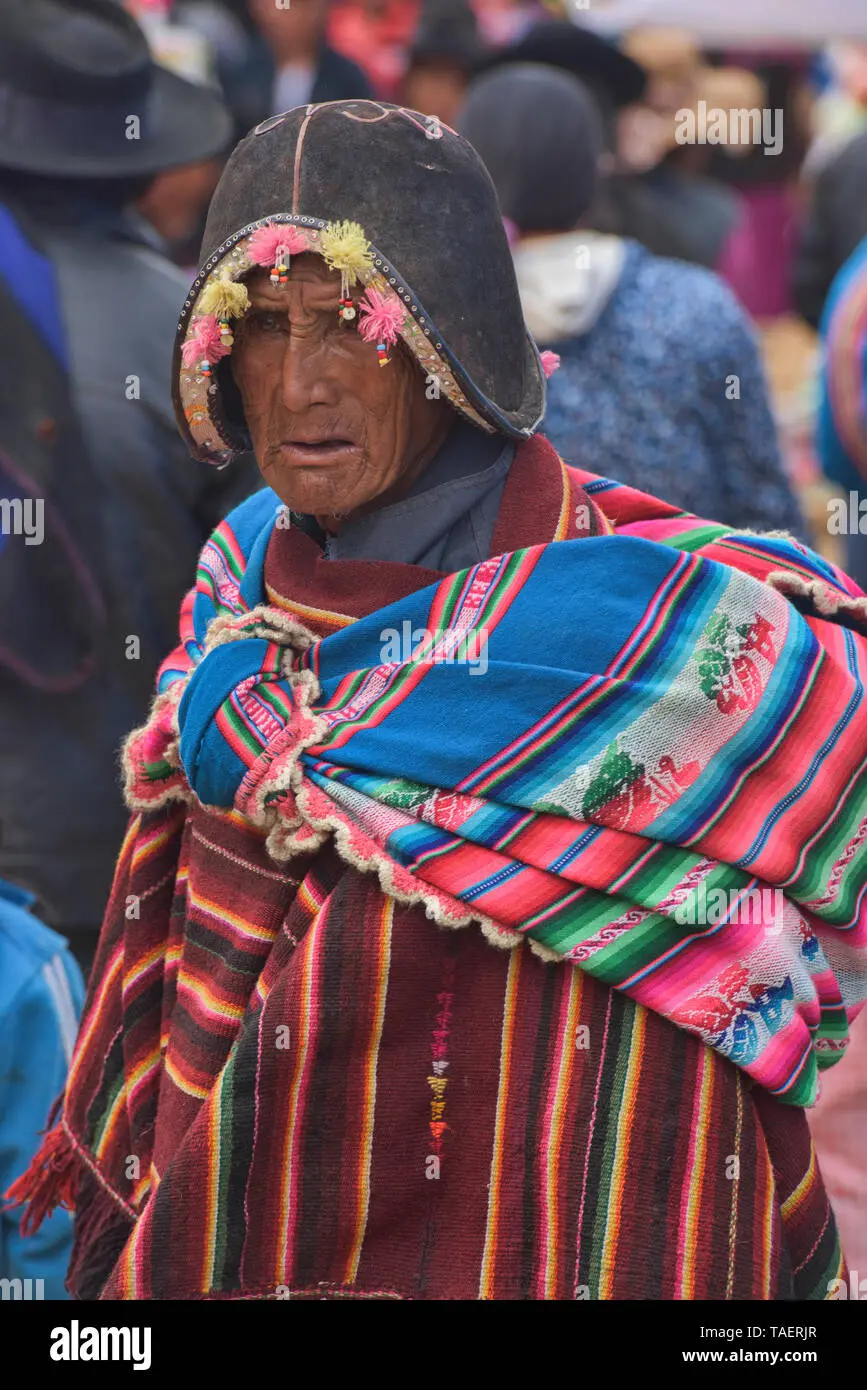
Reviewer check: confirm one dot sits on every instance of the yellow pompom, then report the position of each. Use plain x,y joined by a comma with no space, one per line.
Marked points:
225,299
346,248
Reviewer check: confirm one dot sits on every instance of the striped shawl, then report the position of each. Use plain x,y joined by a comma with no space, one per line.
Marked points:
290,1081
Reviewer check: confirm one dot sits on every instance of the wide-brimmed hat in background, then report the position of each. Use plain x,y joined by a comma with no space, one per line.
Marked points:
614,77
81,97
447,32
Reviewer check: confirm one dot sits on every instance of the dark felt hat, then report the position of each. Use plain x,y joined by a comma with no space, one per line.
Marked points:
447,32
81,97
421,198
613,76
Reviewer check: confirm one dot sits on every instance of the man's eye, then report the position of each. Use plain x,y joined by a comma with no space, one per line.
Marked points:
267,323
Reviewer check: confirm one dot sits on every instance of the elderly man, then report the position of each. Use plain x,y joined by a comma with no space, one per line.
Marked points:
432,967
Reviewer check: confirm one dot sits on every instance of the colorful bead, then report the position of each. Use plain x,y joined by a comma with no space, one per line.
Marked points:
347,310
382,354
205,367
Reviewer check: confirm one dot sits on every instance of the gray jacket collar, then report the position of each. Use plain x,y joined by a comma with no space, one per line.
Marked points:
446,521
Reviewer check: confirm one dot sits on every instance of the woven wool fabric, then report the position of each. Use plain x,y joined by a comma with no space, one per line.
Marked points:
328,1095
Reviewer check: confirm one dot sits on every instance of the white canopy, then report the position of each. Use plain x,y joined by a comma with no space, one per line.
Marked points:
734,23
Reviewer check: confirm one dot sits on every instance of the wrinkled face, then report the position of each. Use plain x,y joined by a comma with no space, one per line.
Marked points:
333,431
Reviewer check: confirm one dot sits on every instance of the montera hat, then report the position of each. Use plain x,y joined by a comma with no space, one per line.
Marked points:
405,210
81,97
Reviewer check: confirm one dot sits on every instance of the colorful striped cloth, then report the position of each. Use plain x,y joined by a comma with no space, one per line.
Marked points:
701,739
321,1090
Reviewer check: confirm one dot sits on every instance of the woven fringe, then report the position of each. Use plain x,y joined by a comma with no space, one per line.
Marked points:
827,601
101,1232
48,1183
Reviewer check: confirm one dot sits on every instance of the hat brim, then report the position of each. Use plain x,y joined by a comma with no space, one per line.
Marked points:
185,124
584,54
472,58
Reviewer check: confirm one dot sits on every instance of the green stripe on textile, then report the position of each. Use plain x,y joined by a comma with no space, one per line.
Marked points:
835,1268
278,699
450,601
227,554
834,1025
223,1100
660,872
504,582
617,1070
352,687
402,676
824,853
645,941
805,1087
107,1113
693,540
242,729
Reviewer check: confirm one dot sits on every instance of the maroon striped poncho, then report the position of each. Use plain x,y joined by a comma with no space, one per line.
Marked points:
287,1084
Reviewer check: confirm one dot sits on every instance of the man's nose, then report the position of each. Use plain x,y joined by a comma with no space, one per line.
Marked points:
306,380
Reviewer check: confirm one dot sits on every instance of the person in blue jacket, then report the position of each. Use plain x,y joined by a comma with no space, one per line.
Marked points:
41,998
660,383
842,432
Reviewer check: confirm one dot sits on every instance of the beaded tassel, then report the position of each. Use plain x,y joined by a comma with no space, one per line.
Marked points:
204,346
273,245
346,248
381,322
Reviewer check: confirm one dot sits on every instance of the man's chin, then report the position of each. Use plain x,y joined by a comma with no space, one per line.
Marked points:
327,487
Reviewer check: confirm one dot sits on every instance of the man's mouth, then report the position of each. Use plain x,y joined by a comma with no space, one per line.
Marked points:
313,450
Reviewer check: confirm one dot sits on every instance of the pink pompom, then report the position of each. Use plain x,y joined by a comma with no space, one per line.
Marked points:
272,242
383,318
204,342
550,362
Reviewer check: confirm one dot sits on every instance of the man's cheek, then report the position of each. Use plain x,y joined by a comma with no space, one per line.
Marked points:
256,428
257,405
250,373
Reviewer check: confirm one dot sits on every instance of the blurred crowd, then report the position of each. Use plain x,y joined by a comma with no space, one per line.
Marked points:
775,217
702,281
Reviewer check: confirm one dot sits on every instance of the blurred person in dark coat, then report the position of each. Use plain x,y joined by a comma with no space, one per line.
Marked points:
445,52
102,512
286,61
835,227
646,198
